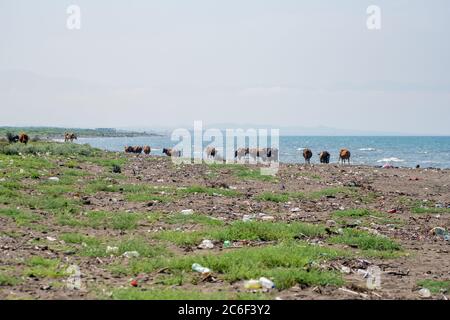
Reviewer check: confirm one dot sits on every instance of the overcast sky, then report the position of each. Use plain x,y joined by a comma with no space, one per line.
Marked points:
279,62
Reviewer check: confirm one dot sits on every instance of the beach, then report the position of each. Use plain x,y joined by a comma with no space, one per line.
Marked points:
317,231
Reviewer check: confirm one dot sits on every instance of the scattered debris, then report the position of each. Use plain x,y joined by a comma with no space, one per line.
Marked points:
187,212
424,293
206,244
131,254
198,268
112,249
55,179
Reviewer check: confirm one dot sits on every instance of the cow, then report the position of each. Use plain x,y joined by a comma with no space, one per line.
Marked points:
211,152
344,155
307,154
171,152
69,137
324,157
24,138
254,153
268,154
147,150
129,149
241,153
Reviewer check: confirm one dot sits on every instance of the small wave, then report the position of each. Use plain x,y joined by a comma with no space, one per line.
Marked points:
367,149
393,159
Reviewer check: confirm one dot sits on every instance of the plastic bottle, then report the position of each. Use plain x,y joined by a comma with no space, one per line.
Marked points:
266,283
253,284
199,268
226,244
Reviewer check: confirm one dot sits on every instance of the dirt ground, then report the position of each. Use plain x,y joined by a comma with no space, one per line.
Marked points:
394,192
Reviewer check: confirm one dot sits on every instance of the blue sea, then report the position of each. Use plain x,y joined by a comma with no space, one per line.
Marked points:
375,151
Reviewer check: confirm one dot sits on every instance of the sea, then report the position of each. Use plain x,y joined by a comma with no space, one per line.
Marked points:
399,151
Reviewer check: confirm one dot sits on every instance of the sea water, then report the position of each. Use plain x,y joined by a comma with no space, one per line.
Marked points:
375,151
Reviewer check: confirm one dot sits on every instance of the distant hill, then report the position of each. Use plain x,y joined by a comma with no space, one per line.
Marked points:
56,132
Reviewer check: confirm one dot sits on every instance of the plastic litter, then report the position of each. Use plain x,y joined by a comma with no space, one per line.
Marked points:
392,211
112,249
425,293
187,212
266,283
253,284
198,268
56,179
247,217
206,244
131,254
227,244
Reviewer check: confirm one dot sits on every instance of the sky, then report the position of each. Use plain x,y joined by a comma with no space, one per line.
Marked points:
286,63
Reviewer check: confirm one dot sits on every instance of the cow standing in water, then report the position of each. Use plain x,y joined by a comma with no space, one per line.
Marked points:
307,154
147,150
344,155
324,157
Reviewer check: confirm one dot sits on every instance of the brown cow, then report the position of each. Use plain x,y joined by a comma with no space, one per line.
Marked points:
147,149
307,154
324,157
344,155
129,149
24,138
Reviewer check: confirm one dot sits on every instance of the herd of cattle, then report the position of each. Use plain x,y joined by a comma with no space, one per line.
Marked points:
22,138
265,154
270,154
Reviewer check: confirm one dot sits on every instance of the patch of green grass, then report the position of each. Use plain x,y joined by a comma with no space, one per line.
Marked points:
8,280
208,191
44,268
355,213
114,220
183,219
143,247
146,197
242,172
181,294
52,148
287,264
365,241
266,231
435,286
425,210
51,202
78,238
21,218
258,231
